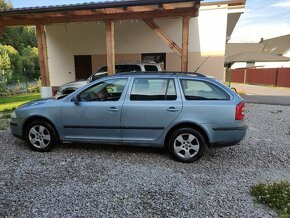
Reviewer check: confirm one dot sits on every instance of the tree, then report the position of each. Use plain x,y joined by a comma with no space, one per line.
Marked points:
5,63
19,37
5,66
20,45
30,62
16,64
5,5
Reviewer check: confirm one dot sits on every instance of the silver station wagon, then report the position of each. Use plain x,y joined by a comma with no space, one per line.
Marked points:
184,112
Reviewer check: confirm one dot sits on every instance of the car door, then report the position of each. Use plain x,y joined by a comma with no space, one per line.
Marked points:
94,113
150,106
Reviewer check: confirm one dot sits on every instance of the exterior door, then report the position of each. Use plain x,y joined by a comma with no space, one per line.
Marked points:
83,66
96,114
149,108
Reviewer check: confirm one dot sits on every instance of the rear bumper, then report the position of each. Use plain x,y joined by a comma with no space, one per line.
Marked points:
227,136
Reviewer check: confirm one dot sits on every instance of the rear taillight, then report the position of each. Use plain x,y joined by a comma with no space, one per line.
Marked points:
240,111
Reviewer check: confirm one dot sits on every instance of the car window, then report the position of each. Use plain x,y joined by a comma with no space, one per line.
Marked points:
150,68
201,90
110,90
153,90
103,69
127,68
98,75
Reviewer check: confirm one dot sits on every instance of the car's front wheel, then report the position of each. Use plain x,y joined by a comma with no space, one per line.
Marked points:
40,136
187,145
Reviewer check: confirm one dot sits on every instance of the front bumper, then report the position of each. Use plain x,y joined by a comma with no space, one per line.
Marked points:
16,129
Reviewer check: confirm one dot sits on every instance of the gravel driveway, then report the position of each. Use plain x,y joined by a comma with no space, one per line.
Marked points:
112,181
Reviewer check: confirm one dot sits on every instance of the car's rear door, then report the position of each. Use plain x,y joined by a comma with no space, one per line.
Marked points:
151,104
95,117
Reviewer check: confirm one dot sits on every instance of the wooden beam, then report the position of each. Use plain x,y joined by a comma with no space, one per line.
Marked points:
42,55
35,19
110,44
185,36
172,45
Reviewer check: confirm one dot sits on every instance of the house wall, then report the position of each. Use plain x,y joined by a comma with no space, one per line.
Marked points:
207,39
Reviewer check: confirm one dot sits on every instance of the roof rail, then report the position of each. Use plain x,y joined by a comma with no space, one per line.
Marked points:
162,72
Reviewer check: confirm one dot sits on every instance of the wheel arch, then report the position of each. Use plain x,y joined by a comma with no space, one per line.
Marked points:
38,118
192,125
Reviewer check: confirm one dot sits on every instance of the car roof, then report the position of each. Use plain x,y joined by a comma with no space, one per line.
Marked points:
136,63
161,74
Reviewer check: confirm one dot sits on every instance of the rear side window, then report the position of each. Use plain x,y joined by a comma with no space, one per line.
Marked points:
201,90
153,90
150,68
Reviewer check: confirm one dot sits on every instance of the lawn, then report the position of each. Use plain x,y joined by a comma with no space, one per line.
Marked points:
10,103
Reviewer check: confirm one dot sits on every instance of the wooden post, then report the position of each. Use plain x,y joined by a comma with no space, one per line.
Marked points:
185,36
42,55
110,44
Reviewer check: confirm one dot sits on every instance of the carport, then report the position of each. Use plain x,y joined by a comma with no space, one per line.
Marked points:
108,13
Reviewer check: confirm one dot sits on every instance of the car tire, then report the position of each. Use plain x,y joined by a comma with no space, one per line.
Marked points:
186,145
41,136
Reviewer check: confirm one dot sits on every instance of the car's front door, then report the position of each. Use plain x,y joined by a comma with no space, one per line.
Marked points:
149,108
95,116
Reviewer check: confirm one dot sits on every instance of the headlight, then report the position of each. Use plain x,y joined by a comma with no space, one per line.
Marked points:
13,115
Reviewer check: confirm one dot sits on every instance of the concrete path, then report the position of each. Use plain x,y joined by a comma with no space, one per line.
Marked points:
261,90
263,99
261,94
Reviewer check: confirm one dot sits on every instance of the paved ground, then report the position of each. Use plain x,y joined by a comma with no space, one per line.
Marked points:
262,99
113,181
261,90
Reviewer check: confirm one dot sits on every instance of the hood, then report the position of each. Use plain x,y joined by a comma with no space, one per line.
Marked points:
37,102
74,84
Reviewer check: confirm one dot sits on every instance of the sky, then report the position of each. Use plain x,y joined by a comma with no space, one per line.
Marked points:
262,18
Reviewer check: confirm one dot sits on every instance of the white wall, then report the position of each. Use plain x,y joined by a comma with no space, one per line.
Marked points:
207,37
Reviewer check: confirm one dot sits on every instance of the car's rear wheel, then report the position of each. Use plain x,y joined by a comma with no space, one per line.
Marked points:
40,136
186,145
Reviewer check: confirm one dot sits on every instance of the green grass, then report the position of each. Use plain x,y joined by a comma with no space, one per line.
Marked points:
275,196
10,103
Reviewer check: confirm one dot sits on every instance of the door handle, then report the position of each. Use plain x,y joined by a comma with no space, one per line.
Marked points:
172,109
113,109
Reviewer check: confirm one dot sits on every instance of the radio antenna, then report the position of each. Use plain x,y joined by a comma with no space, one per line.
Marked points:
201,64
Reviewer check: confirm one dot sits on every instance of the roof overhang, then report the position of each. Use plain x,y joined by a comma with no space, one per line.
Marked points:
101,11
255,57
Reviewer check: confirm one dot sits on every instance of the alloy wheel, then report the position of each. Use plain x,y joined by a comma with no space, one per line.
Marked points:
39,136
186,145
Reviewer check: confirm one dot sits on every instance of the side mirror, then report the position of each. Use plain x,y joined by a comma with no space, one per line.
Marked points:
76,99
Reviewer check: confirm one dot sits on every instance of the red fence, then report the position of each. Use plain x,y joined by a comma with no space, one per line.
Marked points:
271,76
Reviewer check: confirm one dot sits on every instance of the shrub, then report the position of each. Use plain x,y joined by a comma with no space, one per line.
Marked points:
275,196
